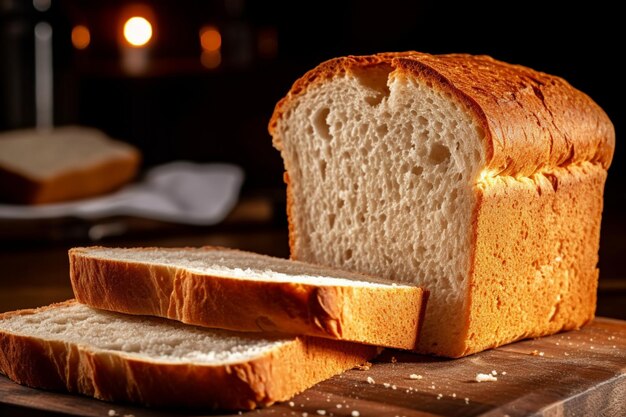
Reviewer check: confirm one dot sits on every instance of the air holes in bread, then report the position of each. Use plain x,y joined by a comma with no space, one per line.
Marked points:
438,154
323,165
320,123
417,171
374,80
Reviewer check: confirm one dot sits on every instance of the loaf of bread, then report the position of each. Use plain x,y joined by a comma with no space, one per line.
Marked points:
231,289
156,362
66,163
479,180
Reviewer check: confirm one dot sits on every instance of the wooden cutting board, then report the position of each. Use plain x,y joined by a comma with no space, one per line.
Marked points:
579,373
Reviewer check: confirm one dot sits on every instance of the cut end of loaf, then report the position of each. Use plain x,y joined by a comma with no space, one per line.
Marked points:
382,183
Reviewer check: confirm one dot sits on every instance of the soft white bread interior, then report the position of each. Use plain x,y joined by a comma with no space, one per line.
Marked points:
478,180
116,357
225,288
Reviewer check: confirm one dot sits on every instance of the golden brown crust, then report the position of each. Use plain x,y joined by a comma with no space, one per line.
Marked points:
70,184
531,121
533,268
382,316
544,231
112,376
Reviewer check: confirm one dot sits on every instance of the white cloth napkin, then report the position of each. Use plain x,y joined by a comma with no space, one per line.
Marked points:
178,192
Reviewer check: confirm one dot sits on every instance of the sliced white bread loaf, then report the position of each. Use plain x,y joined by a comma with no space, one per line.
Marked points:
479,180
66,163
231,289
157,362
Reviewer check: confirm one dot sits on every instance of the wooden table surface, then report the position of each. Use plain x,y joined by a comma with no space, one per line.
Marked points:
580,373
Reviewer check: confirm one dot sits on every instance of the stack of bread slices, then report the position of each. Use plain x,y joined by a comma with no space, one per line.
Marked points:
479,181
204,327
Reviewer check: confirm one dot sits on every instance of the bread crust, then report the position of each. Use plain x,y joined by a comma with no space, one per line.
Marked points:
531,121
549,249
359,314
113,376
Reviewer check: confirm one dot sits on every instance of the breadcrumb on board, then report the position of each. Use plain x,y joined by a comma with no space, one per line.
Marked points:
485,378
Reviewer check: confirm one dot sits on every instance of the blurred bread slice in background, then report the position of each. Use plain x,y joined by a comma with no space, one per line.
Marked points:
67,163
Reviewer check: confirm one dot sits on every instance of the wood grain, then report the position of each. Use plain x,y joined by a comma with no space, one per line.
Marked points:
579,373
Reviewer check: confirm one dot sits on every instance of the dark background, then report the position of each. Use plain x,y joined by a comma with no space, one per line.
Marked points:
177,109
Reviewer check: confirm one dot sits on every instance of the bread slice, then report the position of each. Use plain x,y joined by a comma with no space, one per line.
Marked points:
66,163
157,362
476,179
231,289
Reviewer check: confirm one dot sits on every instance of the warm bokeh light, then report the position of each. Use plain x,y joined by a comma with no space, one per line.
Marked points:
211,59
80,37
210,38
137,31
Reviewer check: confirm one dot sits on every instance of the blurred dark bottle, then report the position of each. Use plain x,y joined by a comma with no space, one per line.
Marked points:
26,79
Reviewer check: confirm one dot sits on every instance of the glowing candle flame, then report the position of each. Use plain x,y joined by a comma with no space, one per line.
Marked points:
137,31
